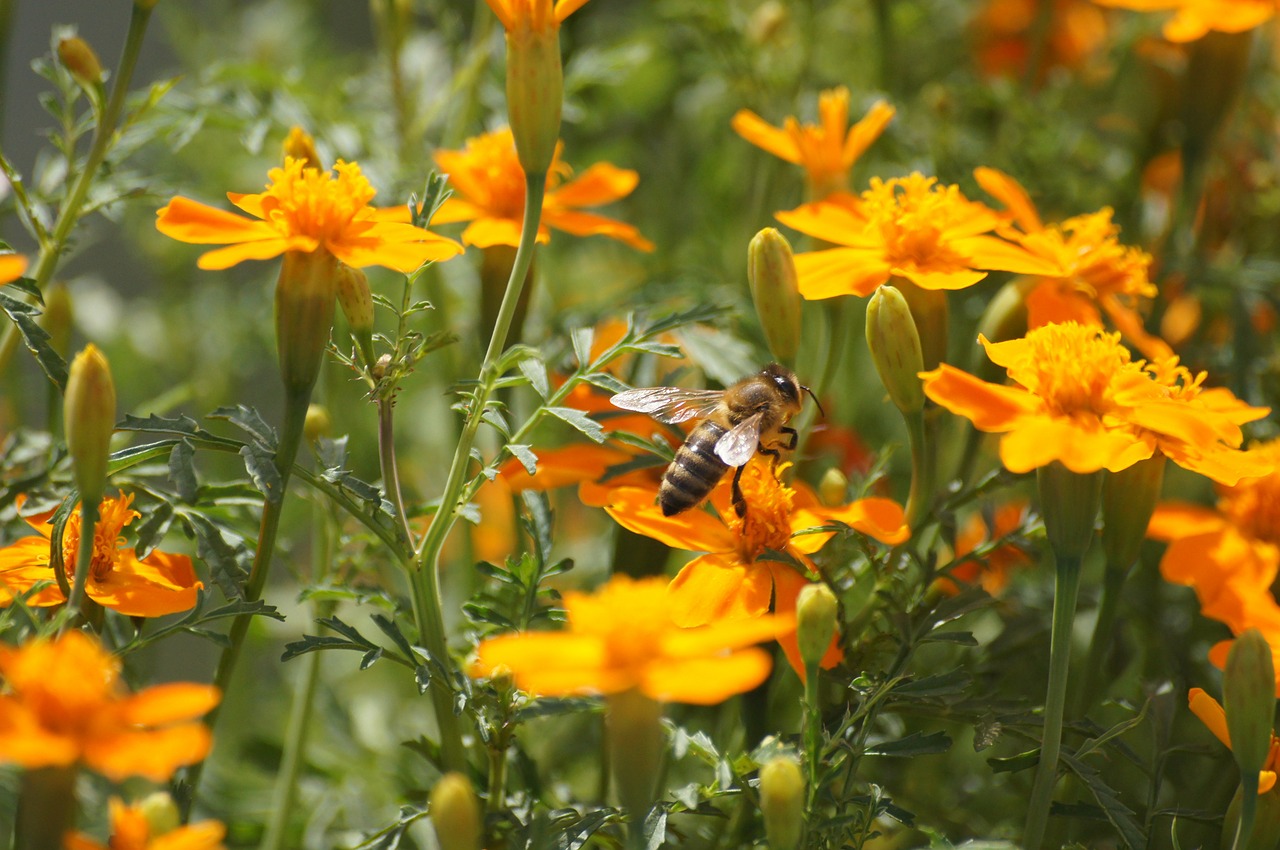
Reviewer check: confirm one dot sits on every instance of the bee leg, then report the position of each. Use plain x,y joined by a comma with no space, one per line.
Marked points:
795,438
739,501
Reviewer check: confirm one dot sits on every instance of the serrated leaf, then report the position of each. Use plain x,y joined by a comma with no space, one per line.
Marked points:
332,454
181,426
422,678
152,530
606,382
391,630
496,420
525,455
535,372
1120,815
248,419
582,339
370,658
579,420
35,338
261,466
654,831
554,706
215,551
315,643
540,519
134,455
182,471
915,744
961,638
943,684
1012,764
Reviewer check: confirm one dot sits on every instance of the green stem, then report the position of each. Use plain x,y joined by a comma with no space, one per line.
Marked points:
391,472
812,734
923,470
1066,589
1109,606
295,414
425,573
84,559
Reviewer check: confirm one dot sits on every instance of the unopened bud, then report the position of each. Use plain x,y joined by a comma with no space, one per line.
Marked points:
1249,700
535,92
357,305
834,487
89,411
318,423
932,315
1128,501
305,293
78,57
1069,504
782,803
56,320
161,813
455,813
1005,318
895,348
771,271
816,612
299,145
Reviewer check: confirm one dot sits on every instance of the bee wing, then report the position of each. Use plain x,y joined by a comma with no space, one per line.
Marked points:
669,404
736,447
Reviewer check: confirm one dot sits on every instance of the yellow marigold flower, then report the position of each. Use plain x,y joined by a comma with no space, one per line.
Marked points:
83,715
1081,400
1214,718
537,15
159,584
911,227
304,209
132,830
1231,554
730,581
622,637
826,150
1193,19
11,267
489,189
1092,271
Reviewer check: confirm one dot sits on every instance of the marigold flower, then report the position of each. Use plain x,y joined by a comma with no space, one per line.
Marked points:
993,570
161,583
304,209
622,637
1214,718
1194,19
131,829
826,150
11,267
1092,270
490,188
911,227
1080,399
83,715
1076,30
731,581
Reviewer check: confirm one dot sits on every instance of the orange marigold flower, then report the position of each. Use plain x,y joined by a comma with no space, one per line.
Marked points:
993,569
826,150
11,267
306,209
161,583
82,714
537,15
1077,29
490,187
731,581
911,227
1214,718
1081,400
132,830
622,637
1194,19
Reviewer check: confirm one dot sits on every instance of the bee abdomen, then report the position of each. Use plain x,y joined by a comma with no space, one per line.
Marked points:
694,472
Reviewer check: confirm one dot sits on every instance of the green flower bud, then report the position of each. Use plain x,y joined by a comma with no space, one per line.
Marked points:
1069,504
357,305
57,318
782,803
535,93
895,348
1249,700
455,813
816,612
633,729
318,423
78,57
161,813
833,489
771,272
1128,501
89,411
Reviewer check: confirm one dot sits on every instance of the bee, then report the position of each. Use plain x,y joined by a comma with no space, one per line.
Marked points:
748,417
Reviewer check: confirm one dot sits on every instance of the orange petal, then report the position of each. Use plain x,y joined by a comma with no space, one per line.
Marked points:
839,222
590,224
563,466
1173,520
840,271
452,210
265,249
536,650
990,407
25,741
159,705
1080,446
723,635
1210,713
883,519
866,131
1009,192
712,588
11,267
988,252
764,135
940,280
1051,302
485,232
201,224
636,509
600,184
787,586
706,681
153,755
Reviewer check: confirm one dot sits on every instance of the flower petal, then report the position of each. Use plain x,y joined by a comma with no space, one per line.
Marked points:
636,509
153,754
590,224
706,681
197,223
713,588
840,271
764,135
602,183
990,407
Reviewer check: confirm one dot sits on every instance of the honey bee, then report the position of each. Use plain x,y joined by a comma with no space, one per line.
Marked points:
748,417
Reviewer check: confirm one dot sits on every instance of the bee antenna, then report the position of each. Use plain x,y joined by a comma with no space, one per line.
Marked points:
814,396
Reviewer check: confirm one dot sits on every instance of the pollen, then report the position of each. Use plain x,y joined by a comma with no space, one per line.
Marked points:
1254,504
767,524
302,201
912,214
1072,367
113,516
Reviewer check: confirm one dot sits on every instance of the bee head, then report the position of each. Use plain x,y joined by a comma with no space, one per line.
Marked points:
788,384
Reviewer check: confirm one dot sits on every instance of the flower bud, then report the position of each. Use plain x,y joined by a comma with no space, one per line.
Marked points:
89,411
305,293
535,88
455,813
782,802
161,813
78,57
1249,700
318,423
771,272
895,348
1069,504
57,318
1128,501
1266,822
833,489
357,305
299,145
1005,318
816,612
932,315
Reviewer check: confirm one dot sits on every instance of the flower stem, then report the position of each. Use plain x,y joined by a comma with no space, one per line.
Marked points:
1108,608
390,472
812,735
923,469
425,571
1066,589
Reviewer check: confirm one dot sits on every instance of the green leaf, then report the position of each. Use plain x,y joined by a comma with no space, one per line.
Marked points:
35,338
248,419
525,455
582,339
134,455
182,471
261,466
579,420
1120,815
915,744
152,530
180,426
223,562
535,372
556,706
943,684
961,638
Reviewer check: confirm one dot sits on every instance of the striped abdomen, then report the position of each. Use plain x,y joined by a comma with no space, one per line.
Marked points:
695,470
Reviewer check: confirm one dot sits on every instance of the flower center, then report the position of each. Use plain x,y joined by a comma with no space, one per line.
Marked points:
1096,261
1072,367
767,524
912,213
303,201
1254,504
113,516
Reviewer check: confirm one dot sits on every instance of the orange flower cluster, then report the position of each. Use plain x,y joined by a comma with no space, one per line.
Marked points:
993,570
1194,19
83,716
1079,398
159,584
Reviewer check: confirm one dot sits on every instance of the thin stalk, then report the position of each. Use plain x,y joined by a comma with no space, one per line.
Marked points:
923,469
84,560
812,734
391,472
1108,608
425,572
1066,589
